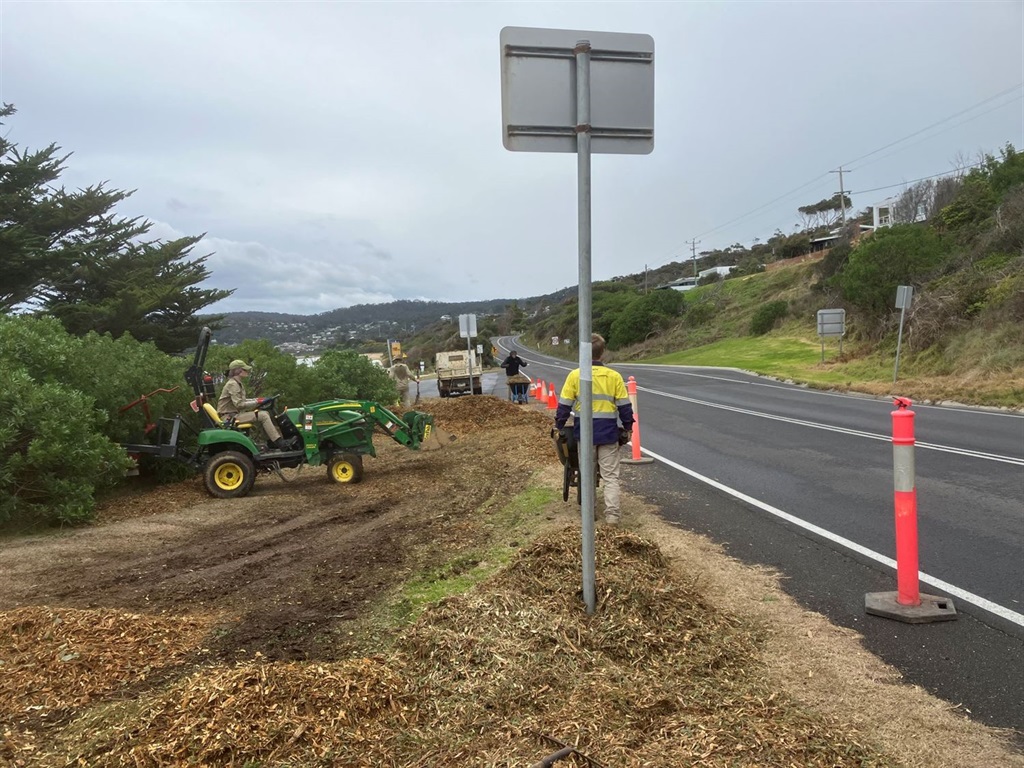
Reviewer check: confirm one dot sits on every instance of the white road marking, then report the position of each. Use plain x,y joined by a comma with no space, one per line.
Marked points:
950,589
755,381
842,430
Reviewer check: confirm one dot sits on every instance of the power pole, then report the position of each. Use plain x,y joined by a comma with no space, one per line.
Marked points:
693,250
842,194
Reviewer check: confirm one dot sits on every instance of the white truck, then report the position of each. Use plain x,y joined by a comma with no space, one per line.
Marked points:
458,373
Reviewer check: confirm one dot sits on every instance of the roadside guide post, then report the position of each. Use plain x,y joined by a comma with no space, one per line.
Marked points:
610,76
906,604
634,441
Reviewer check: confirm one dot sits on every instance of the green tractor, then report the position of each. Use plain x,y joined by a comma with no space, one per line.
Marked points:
336,434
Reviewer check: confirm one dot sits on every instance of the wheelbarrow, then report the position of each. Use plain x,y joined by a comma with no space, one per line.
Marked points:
519,388
568,453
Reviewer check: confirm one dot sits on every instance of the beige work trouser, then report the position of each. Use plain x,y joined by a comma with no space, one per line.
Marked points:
266,421
608,461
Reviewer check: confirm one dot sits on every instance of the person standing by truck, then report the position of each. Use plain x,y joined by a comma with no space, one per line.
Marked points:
613,421
401,375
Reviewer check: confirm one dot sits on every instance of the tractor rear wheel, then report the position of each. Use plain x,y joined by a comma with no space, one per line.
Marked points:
345,468
229,475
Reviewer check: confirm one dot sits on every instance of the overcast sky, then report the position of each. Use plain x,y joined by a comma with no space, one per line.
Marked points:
345,153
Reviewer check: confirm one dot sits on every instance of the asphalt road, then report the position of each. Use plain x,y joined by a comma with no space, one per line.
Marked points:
802,481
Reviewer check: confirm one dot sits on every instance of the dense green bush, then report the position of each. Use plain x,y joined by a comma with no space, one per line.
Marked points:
61,412
906,254
53,457
643,315
111,372
340,374
766,316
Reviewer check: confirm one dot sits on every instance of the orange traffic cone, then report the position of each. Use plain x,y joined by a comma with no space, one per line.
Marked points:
542,391
637,457
552,400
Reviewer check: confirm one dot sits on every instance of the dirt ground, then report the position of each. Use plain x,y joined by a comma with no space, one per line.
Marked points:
171,586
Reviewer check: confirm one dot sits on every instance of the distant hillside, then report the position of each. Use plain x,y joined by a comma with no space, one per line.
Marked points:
396,319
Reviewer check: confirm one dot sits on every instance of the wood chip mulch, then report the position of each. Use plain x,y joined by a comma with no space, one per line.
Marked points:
657,677
57,661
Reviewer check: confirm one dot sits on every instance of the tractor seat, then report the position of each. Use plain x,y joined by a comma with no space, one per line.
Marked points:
219,422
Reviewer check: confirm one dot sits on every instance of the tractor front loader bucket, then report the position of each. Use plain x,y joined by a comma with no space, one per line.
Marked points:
431,437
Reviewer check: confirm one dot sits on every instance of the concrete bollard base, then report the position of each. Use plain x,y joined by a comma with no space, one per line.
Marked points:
932,608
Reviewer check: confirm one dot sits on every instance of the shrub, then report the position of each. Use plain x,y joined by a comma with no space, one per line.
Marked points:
112,373
766,316
905,254
62,423
700,313
52,456
340,374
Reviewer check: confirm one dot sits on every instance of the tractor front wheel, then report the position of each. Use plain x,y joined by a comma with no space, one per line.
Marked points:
345,468
229,475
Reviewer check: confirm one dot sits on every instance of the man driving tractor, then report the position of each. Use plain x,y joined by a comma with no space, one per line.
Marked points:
234,403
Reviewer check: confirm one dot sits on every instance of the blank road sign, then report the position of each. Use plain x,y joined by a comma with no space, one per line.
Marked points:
538,90
831,322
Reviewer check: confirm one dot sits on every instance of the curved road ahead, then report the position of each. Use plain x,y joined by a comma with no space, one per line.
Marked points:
802,480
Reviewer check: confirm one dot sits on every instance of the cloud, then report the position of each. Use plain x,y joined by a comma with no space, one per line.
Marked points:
269,279
336,153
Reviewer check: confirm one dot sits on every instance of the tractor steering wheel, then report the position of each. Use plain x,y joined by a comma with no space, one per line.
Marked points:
268,403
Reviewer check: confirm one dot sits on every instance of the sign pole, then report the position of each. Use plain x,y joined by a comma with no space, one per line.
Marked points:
586,414
899,342
549,80
904,295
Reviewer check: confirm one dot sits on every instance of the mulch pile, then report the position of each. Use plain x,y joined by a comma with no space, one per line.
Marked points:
657,677
467,415
56,662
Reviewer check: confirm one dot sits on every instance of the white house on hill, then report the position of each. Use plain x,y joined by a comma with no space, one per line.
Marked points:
688,283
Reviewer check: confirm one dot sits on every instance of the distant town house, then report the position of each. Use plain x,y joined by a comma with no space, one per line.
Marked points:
689,283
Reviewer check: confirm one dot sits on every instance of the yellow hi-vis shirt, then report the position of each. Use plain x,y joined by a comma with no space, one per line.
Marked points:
610,400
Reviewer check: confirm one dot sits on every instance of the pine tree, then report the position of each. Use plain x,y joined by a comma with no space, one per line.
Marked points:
69,254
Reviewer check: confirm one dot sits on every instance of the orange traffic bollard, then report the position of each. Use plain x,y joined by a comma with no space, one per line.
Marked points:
552,400
634,440
905,498
906,603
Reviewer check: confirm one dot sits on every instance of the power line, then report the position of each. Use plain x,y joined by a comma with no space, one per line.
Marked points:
923,178
817,179
951,127
940,122
762,207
